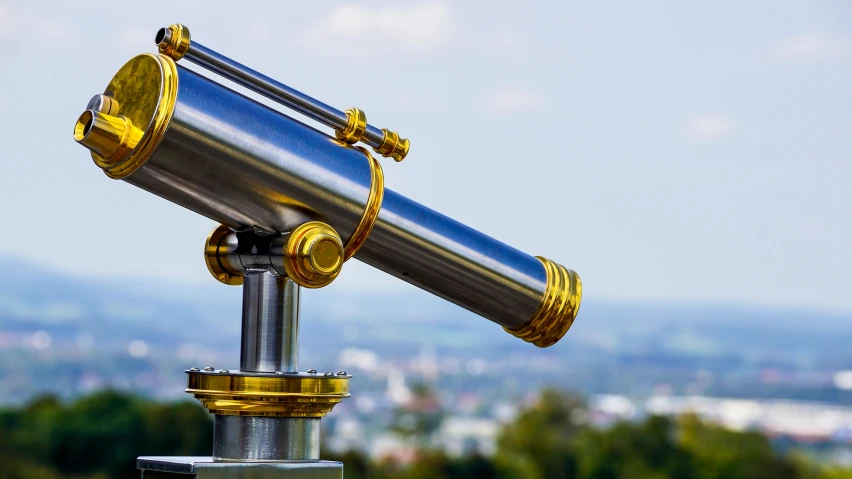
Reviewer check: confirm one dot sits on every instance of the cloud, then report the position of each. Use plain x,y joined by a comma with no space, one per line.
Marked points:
426,27
708,127
422,27
16,21
508,100
816,46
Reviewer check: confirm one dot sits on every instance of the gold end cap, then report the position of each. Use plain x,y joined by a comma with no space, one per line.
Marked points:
313,255
558,308
393,146
173,41
214,249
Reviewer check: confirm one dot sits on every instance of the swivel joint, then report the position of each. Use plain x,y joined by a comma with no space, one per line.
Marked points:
311,255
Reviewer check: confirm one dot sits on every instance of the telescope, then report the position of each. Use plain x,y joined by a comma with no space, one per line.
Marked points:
294,204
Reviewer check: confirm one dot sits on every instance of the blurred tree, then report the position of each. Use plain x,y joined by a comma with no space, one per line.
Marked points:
648,449
537,445
98,436
724,454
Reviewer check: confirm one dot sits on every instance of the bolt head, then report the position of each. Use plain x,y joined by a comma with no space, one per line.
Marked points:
312,371
329,373
279,372
341,373
194,369
209,368
224,371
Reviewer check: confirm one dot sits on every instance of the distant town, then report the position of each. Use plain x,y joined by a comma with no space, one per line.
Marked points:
787,374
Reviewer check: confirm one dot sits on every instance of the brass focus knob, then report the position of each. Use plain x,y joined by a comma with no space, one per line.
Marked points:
313,255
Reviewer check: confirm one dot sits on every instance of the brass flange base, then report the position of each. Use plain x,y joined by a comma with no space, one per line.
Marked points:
241,393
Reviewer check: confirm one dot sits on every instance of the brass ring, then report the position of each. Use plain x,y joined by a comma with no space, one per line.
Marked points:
559,306
355,128
371,210
294,395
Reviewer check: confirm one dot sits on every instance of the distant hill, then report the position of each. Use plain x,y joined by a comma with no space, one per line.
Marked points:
613,346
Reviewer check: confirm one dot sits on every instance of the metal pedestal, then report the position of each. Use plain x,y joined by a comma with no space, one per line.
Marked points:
258,446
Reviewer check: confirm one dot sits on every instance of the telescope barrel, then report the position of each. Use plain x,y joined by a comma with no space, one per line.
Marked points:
245,165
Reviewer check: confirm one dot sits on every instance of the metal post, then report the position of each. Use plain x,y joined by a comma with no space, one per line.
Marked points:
270,344
270,334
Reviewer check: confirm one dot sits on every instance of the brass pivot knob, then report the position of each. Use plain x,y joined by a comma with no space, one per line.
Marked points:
313,255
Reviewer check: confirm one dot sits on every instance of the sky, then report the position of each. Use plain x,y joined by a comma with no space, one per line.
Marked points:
694,150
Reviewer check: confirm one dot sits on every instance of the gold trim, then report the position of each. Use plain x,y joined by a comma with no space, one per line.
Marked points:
212,247
278,395
355,128
167,96
313,255
371,210
559,306
392,146
176,42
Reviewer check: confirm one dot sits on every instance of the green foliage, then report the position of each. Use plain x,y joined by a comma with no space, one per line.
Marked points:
98,436
538,445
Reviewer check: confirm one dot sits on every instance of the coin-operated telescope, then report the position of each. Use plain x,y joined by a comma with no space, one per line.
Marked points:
294,204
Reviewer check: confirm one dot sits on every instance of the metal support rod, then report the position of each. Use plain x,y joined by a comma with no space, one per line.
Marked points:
270,332
258,438
276,91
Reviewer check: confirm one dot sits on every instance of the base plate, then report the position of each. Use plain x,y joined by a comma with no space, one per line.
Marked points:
189,467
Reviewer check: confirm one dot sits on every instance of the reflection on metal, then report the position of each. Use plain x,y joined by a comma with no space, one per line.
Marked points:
293,205
259,438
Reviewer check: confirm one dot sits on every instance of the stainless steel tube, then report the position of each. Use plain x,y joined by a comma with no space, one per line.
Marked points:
258,438
275,90
270,333
243,164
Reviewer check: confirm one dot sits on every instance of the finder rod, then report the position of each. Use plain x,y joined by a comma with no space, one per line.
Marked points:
351,125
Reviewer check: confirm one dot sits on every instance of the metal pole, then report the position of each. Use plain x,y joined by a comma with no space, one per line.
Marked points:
276,91
270,334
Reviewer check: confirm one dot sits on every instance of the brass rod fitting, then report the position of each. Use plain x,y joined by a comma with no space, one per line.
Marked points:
356,126
173,41
393,146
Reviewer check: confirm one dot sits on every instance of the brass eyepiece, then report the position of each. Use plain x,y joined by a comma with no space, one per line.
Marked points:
112,138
